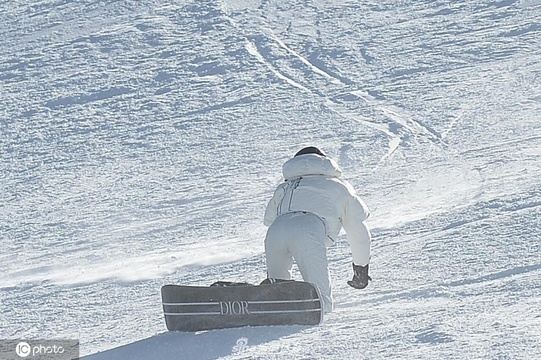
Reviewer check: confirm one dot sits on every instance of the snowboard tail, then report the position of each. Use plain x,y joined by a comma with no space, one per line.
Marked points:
196,308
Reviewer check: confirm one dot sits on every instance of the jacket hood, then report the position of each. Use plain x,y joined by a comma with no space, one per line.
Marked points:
310,164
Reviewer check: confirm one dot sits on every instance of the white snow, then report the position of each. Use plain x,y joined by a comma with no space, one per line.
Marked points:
141,140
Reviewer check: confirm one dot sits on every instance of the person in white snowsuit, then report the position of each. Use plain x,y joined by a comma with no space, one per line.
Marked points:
306,214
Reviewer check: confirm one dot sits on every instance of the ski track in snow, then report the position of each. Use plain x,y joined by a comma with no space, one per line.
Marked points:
397,120
395,139
140,142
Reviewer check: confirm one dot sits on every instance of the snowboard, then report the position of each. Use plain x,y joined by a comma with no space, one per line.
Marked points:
196,308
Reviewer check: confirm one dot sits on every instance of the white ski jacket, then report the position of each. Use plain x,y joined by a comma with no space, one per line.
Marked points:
314,184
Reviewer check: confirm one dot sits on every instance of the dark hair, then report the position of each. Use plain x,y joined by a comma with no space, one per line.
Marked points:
310,150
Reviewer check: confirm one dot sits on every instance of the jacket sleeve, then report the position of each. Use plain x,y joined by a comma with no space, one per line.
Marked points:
271,213
358,234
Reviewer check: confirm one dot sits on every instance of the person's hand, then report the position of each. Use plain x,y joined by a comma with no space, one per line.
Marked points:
360,277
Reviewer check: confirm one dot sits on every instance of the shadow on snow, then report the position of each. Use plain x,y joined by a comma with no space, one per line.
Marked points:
205,345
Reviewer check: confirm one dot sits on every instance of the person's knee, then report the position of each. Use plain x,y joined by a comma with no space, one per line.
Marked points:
278,273
279,264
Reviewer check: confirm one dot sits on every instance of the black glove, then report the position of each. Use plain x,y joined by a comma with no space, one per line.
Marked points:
360,277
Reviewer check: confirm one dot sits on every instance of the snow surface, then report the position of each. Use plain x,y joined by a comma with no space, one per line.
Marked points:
141,140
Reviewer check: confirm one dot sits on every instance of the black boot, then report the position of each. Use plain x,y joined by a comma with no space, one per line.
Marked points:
360,277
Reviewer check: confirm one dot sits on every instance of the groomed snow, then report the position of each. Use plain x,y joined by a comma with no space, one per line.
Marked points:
141,140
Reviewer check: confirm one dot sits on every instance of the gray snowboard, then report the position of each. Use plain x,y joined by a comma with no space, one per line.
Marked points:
195,308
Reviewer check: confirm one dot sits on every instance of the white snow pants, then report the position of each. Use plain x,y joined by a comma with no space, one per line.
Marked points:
301,237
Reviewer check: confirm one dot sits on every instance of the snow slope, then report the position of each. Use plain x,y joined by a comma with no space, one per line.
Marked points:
141,140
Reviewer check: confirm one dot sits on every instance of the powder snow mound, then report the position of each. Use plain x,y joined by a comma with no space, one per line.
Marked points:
140,142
